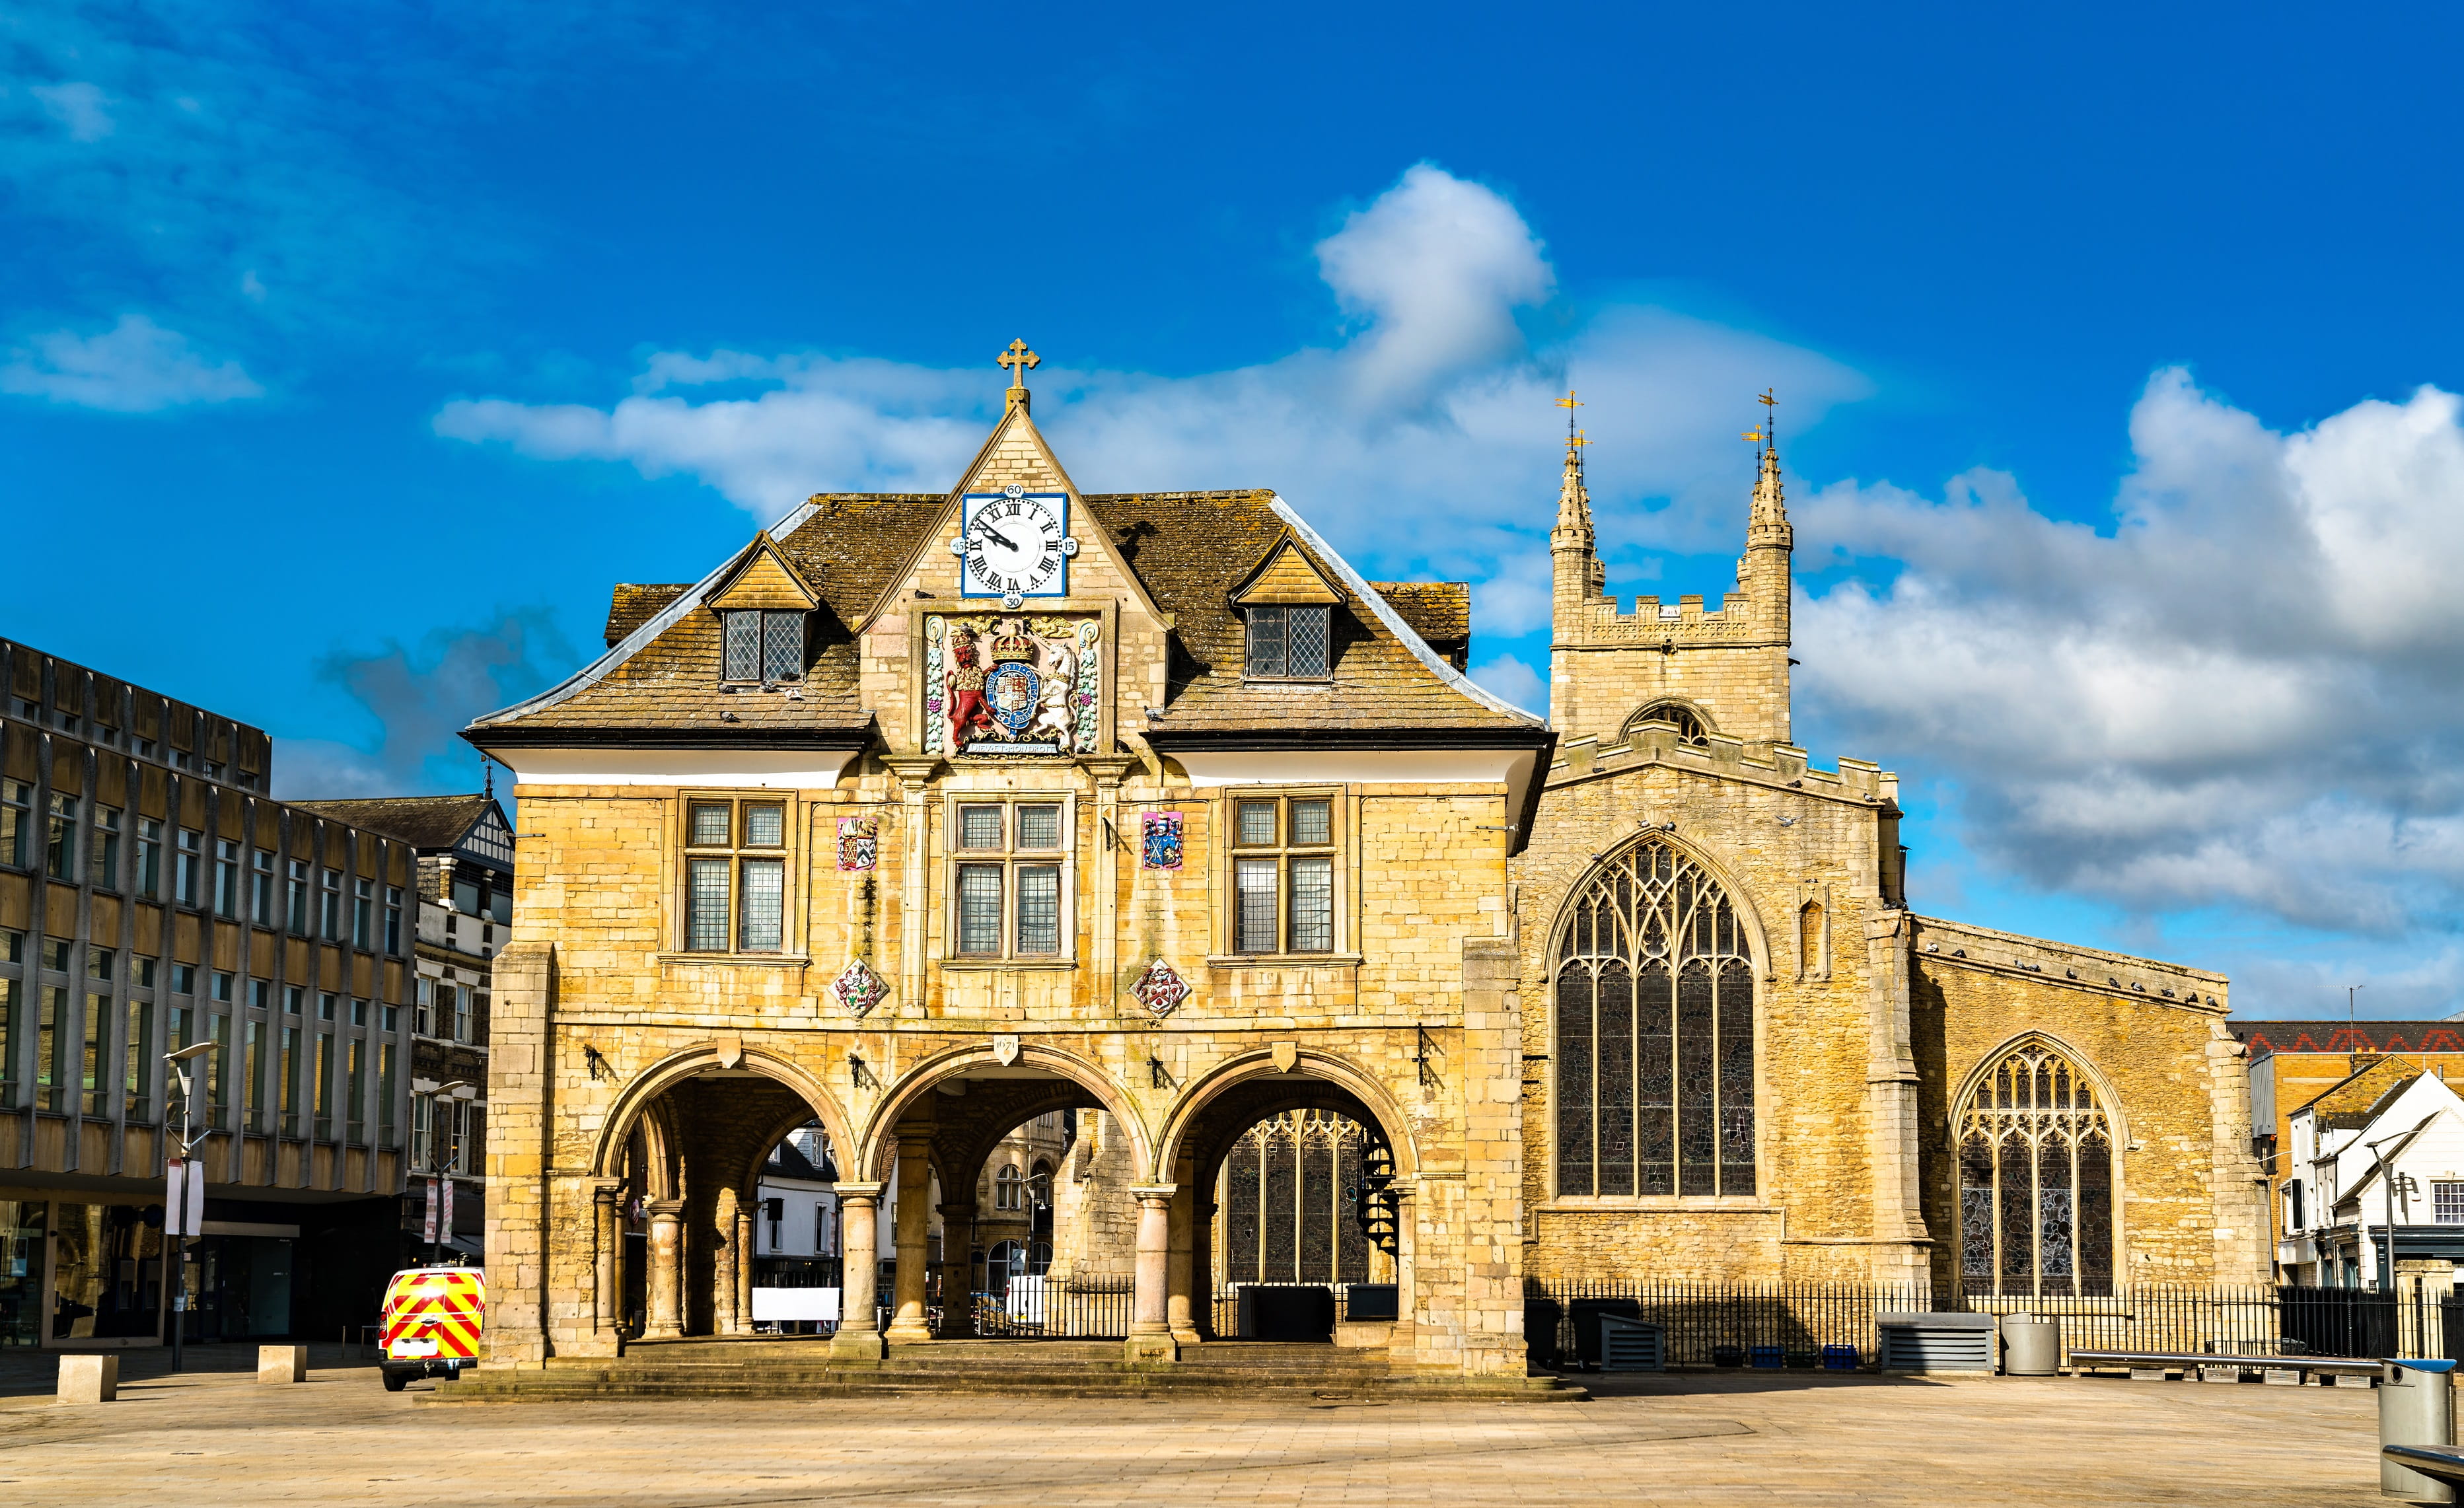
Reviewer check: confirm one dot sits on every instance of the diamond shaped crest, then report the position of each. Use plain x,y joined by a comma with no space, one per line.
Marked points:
858,989
1160,989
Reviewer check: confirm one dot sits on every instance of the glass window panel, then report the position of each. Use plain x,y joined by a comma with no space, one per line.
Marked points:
1305,641
979,908
1253,884
979,828
708,827
706,905
766,826
1312,823
1039,827
1614,1044
1697,1062
743,646
1256,823
763,905
782,646
1313,906
1265,637
1038,909
60,851
1655,1079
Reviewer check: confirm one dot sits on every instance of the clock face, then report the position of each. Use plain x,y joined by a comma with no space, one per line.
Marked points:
1014,544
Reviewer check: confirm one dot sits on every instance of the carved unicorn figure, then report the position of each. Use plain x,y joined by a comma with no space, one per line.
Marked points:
1052,711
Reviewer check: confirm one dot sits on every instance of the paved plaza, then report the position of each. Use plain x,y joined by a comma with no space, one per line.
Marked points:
1689,1438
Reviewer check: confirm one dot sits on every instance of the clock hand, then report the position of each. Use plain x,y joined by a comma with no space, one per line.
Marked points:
997,536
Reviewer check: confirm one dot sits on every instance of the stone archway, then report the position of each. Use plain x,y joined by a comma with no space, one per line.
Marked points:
675,1169
1316,1095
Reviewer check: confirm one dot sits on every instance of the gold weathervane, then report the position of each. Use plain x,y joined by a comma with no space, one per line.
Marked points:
1763,433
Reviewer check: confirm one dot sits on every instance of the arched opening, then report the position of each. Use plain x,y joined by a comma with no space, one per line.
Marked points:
2037,1179
1293,1225
799,1271
684,1209
1688,721
1654,986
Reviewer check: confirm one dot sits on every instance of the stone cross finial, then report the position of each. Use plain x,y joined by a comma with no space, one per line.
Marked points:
1019,360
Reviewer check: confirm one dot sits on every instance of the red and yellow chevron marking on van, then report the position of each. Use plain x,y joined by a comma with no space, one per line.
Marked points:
435,1314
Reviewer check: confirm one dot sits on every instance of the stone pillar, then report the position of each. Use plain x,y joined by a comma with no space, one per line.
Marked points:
665,1290
724,1259
744,1252
859,1337
1151,1337
1900,1253
915,772
908,1322
957,1269
606,1237
1108,770
519,1219
1180,1289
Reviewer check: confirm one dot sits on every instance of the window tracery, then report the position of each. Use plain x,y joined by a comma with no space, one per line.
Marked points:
2036,1179
1655,1033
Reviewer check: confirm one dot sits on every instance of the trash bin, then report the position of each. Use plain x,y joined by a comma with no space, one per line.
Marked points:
2031,1345
2415,1403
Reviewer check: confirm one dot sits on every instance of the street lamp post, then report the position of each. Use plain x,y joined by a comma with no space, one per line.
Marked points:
176,1196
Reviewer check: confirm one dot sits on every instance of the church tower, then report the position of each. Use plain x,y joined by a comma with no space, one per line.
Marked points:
1715,673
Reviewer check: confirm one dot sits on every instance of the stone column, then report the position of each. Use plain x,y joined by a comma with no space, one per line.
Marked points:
1901,1251
663,1291
908,1322
606,1234
859,1337
1180,1289
957,1269
744,1214
1151,1337
724,1259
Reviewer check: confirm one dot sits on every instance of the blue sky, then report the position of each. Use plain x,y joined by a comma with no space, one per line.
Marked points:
348,353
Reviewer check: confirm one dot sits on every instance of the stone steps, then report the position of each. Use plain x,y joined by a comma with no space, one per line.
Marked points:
768,1369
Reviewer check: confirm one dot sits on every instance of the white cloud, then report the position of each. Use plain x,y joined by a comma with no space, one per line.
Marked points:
78,106
1432,412
136,366
2246,694
1518,683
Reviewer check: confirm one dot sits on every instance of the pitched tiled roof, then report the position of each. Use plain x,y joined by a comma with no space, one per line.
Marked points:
1438,611
1188,550
422,822
2347,1037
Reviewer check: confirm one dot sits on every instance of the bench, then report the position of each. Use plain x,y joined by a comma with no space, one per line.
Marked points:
2291,1370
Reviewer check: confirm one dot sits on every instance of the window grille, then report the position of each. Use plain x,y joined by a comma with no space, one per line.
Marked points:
763,647
2447,1203
743,646
2036,1179
1283,897
740,891
1010,898
1655,1033
1289,643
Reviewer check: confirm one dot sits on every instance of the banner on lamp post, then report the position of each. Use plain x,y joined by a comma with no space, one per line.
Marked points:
184,1197
428,1232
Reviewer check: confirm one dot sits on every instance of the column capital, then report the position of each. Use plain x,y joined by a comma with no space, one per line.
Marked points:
655,1208
858,1194
1153,1194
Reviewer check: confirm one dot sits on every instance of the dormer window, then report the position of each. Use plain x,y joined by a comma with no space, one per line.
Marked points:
1288,642
764,646
1286,605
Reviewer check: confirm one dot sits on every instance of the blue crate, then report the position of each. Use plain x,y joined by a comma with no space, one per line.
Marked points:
1839,1358
1766,1358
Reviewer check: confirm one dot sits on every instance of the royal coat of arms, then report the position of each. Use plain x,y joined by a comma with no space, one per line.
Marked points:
1011,685
1159,842
859,844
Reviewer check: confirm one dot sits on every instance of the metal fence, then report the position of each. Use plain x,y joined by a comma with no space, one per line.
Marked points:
1724,1324
1042,1308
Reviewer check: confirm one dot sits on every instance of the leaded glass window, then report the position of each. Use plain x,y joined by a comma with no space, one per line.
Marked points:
743,632
761,913
979,908
763,647
735,883
2036,1179
1283,874
1655,1033
1038,909
706,905
782,646
1010,896
1289,643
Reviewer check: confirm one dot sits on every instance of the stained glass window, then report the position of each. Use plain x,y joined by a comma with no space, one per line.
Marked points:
2035,1180
1655,1033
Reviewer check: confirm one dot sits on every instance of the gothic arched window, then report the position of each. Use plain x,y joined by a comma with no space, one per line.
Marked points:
2036,1179
1655,1050
1689,724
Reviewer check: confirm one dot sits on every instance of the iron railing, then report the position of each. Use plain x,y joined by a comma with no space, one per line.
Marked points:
1725,1323
1045,1308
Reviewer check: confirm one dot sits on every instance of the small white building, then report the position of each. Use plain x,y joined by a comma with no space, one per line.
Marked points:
798,1210
2381,1151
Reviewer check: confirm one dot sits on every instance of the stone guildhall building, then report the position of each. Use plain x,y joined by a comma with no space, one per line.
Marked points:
922,816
